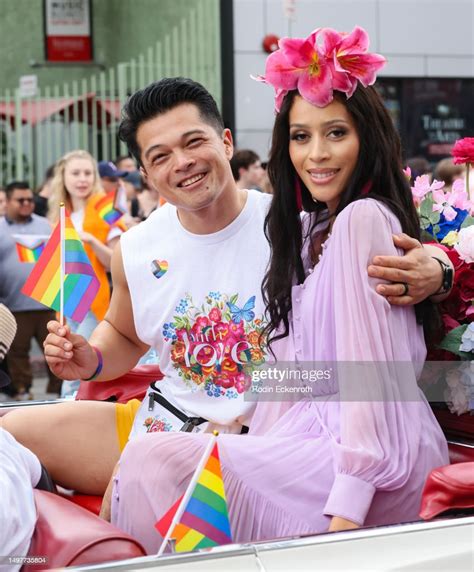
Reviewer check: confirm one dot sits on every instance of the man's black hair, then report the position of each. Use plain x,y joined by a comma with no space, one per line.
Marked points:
160,97
16,185
242,158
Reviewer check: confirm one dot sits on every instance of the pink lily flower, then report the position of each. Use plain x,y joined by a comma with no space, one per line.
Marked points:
342,81
349,56
299,64
422,187
316,68
407,173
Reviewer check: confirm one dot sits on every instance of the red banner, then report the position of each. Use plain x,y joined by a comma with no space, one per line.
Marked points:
68,30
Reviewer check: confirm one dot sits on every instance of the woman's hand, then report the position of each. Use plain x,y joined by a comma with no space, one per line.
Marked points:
339,523
102,251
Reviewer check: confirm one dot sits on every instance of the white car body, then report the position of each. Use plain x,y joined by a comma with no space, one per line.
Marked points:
445,544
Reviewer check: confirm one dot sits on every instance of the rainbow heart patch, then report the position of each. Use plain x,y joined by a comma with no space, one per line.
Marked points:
159,268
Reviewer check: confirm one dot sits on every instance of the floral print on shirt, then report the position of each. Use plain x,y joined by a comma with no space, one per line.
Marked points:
216,346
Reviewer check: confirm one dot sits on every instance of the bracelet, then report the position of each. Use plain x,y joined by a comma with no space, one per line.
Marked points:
99,367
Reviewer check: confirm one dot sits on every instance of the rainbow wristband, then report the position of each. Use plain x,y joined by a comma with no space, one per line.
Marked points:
99,367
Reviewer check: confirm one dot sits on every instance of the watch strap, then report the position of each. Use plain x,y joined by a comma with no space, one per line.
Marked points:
448,277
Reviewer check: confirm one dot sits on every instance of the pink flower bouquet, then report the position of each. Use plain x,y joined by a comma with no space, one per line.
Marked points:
446,218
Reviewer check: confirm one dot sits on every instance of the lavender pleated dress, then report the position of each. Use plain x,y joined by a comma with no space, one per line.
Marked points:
361,450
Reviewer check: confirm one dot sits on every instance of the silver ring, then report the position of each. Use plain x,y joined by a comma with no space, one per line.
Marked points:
405,291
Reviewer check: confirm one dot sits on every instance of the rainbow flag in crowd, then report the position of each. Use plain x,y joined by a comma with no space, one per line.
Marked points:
109,208
29,246
204,521
120,200
80,282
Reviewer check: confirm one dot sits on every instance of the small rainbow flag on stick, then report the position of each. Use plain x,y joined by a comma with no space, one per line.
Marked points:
29,246
110,207
63,277
199,519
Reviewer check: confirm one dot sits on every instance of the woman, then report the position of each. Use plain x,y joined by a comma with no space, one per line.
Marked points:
357,447
76,182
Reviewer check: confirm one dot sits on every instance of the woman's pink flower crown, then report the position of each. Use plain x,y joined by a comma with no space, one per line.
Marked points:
324,61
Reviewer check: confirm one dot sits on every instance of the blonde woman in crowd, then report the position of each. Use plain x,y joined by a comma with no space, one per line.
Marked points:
76,182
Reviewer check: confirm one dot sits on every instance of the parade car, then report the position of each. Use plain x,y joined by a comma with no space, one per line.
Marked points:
69,532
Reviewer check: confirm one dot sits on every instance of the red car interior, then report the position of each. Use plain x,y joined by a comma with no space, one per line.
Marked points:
451,488
448,488
132,385
68,535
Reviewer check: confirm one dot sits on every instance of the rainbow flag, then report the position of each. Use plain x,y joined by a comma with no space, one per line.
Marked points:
80,284
205,519
108,210
29,246
120,200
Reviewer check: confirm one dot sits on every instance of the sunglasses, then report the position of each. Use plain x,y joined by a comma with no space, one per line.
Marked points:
22,201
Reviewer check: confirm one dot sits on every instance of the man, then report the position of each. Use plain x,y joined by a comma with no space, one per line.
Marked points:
247,169
187,282
3,202
125,163
20,231
8,330
110,176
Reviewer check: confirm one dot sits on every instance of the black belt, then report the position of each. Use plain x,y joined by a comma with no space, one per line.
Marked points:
188,422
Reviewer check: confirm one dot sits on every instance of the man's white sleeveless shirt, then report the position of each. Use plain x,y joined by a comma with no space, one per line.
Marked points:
197,301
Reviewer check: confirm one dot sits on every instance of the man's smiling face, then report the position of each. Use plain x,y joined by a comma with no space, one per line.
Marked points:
184,158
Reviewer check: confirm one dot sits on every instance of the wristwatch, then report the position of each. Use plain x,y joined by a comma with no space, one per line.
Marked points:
448,277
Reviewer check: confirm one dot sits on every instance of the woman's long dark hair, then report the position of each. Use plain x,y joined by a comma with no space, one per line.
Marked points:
379,163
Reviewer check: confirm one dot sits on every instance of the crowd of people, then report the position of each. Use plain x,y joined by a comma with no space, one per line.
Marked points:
78,181
223,277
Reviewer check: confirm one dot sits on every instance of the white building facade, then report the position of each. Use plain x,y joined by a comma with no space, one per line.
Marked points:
428,80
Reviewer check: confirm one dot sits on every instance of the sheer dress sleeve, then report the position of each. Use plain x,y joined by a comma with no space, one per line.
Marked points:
376,345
